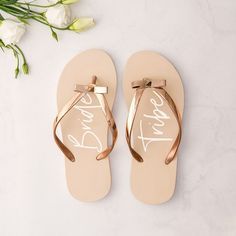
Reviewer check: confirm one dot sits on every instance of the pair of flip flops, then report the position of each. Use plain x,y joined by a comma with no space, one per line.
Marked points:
154,94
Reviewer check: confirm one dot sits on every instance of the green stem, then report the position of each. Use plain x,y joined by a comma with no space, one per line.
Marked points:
36,5
29,10
21,11
43,21
13,11
21,53
12,48
29,14
16,54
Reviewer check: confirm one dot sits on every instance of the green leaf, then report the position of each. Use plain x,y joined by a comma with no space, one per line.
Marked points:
1,17
54,34
1,43
8,2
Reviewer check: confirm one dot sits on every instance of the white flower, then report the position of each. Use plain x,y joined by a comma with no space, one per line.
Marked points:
11,31
59,16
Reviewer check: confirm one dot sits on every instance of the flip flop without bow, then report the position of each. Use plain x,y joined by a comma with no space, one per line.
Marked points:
154,92
86,93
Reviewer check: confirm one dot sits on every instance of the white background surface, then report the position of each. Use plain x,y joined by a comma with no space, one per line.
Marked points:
199,37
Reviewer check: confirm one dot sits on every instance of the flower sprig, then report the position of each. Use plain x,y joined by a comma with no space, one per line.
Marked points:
55,15
19,55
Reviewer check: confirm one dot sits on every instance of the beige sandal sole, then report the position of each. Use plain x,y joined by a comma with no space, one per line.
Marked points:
152,181
85,130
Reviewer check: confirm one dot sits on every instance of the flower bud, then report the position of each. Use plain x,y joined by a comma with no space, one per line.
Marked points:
68,2
25,68
81,24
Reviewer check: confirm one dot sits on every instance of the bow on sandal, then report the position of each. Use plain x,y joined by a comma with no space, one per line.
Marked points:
154,94
85,118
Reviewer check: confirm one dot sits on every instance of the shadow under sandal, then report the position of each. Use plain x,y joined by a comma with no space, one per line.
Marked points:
155,97
86,93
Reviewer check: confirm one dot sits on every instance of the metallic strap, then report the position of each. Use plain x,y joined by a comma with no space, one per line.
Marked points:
158,85
82,90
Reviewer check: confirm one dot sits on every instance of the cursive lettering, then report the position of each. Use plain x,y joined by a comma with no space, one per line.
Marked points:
89,140
156,120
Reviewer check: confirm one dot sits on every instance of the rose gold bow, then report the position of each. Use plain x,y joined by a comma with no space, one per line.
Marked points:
148,83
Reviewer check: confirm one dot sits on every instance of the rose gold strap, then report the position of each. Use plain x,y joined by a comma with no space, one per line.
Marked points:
82,90
68,106
130,121
158,85
111,123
